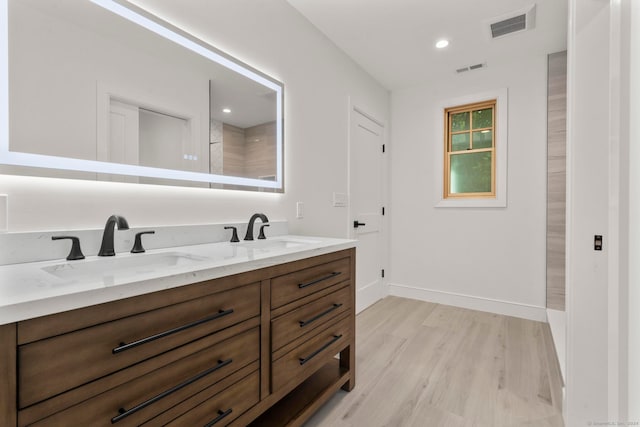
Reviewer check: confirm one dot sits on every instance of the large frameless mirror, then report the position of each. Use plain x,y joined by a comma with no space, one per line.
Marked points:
103,90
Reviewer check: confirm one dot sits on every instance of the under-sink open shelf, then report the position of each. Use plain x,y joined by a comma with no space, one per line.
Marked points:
297,406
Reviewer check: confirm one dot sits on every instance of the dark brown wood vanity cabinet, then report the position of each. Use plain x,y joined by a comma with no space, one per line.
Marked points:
266,347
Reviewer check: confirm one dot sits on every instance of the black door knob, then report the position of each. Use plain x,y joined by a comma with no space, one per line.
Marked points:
357,224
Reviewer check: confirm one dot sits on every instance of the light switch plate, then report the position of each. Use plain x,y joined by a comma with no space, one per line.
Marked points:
340,200
299,210
4,213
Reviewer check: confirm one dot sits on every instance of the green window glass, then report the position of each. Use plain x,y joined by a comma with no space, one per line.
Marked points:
482,118
471,173
460,142
483,139
460,122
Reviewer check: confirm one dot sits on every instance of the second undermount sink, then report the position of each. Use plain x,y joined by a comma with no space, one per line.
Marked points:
277,243
123,265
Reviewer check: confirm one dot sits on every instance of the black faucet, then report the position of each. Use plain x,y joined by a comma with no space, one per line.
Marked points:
106,249
263,218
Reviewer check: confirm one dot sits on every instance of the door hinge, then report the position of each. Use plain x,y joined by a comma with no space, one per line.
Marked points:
383,148
383,272
383,211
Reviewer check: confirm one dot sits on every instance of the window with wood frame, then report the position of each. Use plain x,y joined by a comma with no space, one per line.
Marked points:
470,151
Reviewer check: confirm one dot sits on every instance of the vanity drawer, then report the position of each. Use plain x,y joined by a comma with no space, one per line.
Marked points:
298,322
145,397
293,286
310,352
224,407
50,366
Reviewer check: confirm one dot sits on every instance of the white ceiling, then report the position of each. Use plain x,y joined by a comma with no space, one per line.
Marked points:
394,40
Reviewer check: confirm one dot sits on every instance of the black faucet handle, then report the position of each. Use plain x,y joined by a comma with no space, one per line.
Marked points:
76,252
137,244
234,236
261,236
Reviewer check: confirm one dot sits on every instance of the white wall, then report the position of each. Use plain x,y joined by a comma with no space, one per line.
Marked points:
318,78
594,184
486,258
634,227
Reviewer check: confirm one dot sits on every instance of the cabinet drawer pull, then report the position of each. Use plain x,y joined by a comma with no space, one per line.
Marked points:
304,323
304,360
123,413
122,347
221,415
334,274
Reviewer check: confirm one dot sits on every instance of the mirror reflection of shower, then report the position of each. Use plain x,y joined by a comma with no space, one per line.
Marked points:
242,131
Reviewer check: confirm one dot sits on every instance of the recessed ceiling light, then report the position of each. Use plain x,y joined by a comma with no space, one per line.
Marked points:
442,43
226,110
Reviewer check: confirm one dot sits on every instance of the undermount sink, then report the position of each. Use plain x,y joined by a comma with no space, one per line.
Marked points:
113,269
129,265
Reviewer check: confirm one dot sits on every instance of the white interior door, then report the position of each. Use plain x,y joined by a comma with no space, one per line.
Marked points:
366,183
122,139
123,133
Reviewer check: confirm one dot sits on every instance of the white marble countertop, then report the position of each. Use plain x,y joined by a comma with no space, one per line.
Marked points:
36,289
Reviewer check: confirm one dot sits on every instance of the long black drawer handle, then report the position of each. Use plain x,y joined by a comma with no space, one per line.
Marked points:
123,413
221,415
334,274
122,347
304,360
304,323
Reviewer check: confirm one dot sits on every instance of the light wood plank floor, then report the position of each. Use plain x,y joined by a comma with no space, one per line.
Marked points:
422,364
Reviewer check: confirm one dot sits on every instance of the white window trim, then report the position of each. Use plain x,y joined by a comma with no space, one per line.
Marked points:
501,147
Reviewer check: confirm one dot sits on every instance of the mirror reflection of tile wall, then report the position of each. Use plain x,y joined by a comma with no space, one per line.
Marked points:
249,152
215,147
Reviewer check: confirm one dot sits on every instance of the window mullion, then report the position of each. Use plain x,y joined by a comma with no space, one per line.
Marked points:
475,150
471,129
449,136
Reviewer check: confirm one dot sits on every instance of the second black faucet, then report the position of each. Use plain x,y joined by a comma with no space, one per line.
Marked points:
106,249
263,218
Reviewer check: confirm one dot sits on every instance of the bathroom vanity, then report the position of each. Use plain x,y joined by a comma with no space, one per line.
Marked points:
198,333
263,338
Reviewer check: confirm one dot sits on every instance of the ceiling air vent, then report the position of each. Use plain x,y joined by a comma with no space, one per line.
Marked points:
514,22
471,67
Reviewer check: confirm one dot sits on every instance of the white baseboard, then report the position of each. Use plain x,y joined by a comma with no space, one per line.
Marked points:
558,325
507,308
369,295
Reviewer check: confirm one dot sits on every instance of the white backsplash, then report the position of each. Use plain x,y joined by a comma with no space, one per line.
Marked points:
18,248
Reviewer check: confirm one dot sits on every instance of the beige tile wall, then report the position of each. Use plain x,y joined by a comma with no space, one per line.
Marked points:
556,179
